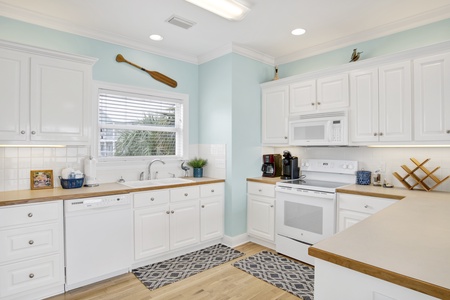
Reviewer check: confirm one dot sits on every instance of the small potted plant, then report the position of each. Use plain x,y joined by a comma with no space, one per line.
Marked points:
197,164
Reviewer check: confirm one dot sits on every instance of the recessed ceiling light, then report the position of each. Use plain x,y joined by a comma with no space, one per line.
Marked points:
298,31
228,9
156,37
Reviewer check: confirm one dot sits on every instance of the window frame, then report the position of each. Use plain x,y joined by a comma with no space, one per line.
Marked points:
183,98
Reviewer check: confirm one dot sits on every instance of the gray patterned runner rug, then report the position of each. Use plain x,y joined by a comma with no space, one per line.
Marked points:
286,274
172,270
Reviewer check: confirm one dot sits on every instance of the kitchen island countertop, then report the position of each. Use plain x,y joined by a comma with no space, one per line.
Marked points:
407,244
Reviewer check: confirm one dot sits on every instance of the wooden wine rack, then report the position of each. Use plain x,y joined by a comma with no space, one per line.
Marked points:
419,181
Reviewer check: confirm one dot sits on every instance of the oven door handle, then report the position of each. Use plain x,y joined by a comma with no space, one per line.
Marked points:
302,192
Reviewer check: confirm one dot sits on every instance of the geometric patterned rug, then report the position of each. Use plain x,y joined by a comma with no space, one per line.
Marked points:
172,270
291,276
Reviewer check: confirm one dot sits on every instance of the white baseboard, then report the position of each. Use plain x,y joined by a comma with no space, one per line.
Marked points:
233,241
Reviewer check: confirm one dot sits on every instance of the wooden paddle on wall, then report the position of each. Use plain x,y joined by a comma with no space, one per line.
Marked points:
156,75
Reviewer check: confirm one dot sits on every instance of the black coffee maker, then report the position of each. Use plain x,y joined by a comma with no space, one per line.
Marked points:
290,166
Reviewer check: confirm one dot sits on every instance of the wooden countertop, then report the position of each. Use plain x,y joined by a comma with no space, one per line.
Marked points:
407,243
268,180
33,196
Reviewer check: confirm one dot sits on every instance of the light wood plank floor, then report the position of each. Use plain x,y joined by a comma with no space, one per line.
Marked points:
220,283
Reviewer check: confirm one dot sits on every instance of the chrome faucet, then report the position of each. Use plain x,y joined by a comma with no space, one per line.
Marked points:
149,177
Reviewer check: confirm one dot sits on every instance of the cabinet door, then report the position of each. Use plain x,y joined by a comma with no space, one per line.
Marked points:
349,218
332,92
261,217
60,92
211,218
395,102
302,97
275,113
364,106
14,95
432,98
184,224
151,231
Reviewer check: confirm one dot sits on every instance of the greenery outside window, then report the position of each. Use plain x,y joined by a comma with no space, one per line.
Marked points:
132,124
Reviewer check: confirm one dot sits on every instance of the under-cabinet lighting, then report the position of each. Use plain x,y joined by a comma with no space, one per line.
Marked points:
408,146
228,9
32,146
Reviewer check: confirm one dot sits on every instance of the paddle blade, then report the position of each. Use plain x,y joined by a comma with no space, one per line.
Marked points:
120,58
162,78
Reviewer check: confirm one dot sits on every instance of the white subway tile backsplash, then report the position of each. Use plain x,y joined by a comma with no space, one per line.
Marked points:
11,152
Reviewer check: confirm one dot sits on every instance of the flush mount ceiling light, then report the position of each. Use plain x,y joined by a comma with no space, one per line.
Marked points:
298,31
156,37
228,9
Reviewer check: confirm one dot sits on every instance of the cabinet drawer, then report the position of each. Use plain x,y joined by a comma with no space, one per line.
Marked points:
30,213
26,242
184,193
151,198
209,190
262,189
363,204
31,274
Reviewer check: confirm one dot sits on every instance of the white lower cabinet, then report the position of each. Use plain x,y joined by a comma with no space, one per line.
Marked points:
172,219
31,250
355,208
261,210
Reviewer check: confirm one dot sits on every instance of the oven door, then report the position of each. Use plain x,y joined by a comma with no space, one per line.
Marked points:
304,215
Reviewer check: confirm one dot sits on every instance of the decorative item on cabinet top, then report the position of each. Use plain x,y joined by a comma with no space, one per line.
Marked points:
355,55
416,178
156,75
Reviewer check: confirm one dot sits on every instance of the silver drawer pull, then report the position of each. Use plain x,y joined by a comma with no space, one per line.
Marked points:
186,194
172,211
31,275
152,199
260,190
212,191
22,132
30,215
33,132
366,206
31,242
203,206
167,212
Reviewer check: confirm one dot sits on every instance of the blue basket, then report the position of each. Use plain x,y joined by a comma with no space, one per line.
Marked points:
71,183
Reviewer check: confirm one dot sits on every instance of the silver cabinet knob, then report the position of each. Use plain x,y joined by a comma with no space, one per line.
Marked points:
318,103
366,206
31,275
31,242
285,137
203,206
152,199
381,134
448,131
312,103
212,191
167,212
375,134
30,215
172,211
186,194
33,132
271,206
22,132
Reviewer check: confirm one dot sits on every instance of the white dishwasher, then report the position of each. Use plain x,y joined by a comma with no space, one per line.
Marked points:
98,237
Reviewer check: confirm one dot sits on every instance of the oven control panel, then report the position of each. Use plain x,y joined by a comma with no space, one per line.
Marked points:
329,166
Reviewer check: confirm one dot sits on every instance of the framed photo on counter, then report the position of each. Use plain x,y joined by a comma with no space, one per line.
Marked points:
41,179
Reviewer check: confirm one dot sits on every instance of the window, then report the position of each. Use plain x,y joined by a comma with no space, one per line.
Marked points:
139,123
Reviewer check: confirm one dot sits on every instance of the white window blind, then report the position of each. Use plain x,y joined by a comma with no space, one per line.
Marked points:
139,125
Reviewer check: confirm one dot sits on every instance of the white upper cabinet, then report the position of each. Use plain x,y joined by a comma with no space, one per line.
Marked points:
381,104
432,98
324,93
275,114
45,97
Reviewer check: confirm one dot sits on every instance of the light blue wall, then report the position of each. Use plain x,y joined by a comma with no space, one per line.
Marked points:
107,69
230,113
410,39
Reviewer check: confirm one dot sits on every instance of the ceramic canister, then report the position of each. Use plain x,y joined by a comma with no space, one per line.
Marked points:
363,177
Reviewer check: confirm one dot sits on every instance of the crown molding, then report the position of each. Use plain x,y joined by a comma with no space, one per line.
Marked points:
233,48
363,36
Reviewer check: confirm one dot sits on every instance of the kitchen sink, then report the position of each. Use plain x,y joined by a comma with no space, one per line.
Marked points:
155,182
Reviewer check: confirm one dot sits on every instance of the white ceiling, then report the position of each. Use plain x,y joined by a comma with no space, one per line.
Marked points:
330,24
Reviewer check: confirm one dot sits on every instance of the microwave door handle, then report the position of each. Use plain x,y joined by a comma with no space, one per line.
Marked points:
329,130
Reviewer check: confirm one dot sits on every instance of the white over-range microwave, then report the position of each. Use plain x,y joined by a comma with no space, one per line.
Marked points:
319,129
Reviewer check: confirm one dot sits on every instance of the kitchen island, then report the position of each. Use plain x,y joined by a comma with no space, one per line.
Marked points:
406,245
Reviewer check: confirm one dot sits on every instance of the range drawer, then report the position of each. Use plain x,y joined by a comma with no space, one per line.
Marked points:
209,190
31,274
151,198
184,193
262,189
30,213
29,241
364,204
